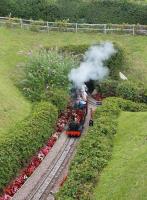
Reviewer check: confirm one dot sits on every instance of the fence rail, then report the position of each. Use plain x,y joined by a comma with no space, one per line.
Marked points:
35,25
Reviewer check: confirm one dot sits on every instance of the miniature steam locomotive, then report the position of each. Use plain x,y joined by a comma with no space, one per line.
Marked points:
79,112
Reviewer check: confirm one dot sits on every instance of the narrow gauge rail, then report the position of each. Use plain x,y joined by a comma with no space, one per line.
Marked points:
44,187
42,190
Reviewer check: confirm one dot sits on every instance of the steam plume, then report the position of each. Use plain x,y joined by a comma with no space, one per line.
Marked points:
93,68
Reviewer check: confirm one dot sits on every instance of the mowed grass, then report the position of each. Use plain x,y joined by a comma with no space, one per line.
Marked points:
13,106
125,177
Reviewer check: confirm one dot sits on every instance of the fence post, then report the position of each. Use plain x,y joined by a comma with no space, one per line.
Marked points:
47,27
21,23
76,27
105,28
133,29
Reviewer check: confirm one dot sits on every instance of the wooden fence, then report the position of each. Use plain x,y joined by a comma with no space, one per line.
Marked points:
35,25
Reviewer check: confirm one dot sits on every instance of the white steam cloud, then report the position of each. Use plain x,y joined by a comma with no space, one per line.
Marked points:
93,68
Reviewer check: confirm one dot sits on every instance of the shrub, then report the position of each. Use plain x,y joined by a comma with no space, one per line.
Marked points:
125,89
107,87
127,105
62,24
58,97
44,72
75,49
34,26
95,149
25,139
132,91
111,11
116,63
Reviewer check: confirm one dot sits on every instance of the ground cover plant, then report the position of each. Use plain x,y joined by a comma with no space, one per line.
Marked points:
95,149
125,175
25,139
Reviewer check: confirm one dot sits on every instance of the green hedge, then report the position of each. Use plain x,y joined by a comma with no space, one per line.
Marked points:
75,49
132,91
116,63
58,97
95,149
25,139
125,89
101,11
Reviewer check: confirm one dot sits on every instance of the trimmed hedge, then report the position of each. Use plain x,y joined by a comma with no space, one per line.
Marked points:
95,149
25,139
125,89
101,11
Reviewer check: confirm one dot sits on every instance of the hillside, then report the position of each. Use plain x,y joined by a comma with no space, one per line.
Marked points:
125,176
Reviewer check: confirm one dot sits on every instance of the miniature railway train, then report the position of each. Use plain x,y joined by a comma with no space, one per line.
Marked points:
79,109
76,122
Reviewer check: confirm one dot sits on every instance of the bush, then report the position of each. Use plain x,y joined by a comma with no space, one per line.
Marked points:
107,87
95,149
25,139
58,97
130,90
125,89
127,105
105,11
44,72
75,49
116,63
34,26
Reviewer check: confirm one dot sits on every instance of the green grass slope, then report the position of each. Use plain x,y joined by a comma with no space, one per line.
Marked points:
13,106
125,177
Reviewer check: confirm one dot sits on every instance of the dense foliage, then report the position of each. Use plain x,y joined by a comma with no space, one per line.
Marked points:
101,11
58,97
125,89
95,149
46,71
25,139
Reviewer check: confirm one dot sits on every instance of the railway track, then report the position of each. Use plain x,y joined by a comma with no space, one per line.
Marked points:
93,102
42,190
45,185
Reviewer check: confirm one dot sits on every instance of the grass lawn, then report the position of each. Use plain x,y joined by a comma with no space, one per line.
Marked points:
125,177
13,106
